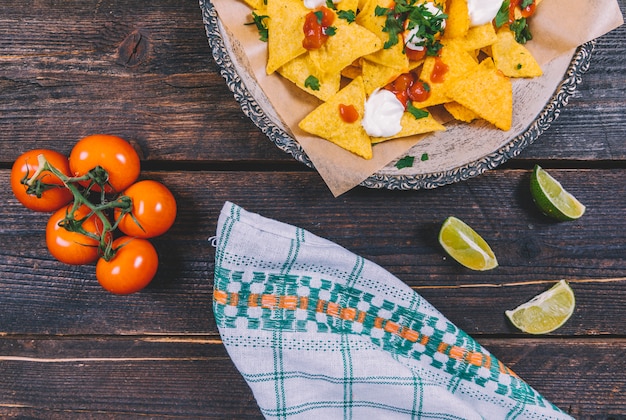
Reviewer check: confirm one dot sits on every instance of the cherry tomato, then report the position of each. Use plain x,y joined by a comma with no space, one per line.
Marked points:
73,247
112,153
419,91
51,199
131,269
154,208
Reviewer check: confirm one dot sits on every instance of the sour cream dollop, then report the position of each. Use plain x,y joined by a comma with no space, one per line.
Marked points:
483,11
412,41
383,112
314,4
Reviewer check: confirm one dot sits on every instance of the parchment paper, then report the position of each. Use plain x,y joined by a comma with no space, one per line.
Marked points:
558,27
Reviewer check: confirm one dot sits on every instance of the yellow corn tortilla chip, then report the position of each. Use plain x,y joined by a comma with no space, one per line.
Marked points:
458,21
488,93
326,122
348,5
412,126
255,4
301,68
459,63
285,32
376,75
459,112
349,42
512,58
479,37
352,71
390,57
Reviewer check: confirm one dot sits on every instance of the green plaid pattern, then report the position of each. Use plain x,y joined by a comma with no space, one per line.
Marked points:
319,332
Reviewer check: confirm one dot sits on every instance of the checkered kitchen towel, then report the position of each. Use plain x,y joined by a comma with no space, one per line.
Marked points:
321,333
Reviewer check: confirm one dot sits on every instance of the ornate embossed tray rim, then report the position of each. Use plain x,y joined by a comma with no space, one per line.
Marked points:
387,179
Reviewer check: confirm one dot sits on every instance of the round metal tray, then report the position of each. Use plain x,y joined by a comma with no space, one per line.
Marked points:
390,177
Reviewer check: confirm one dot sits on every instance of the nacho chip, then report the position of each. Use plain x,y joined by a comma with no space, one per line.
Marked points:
376,75
255,4
458,62
352,71
479,37
326,122
488,93
459,112
349,42
305,75
390,57
458,22
513,59
286,19
412,126
348,5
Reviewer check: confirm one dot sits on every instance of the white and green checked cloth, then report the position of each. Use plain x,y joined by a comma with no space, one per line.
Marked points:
321,333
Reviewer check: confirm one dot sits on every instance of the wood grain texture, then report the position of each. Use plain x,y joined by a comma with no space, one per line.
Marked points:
177,377
530,248
144,71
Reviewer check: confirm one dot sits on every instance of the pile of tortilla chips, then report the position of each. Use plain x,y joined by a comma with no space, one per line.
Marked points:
353,63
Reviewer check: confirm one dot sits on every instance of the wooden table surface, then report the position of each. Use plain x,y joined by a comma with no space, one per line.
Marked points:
143,70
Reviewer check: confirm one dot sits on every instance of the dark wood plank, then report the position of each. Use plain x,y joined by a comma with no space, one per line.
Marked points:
171,100
184,377
590,127
43,296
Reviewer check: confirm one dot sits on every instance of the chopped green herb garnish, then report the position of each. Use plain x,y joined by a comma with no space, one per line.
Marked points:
526,3
312,83
502,17
521,30
331,4
259,21
519,66
416,112
347,15
424,157
330,31
319,15
519,27
418,17
405,162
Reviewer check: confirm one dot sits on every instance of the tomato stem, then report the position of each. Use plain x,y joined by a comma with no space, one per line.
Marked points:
97,176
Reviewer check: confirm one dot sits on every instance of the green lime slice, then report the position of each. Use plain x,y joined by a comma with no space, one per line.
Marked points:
545,312
551,197
466,246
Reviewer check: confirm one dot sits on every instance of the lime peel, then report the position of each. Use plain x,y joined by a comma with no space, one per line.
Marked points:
466,246
545,312
551,198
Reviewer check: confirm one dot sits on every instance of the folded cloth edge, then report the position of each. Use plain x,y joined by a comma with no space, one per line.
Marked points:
245,239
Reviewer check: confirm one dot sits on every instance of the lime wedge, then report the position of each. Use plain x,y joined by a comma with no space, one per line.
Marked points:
551,197
466,246
545,312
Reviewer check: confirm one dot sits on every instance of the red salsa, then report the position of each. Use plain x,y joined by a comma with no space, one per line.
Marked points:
348,113
407,87
315,25
439,71
526,11
415,55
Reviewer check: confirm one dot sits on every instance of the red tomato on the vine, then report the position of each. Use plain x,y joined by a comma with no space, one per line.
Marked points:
153,211
114,154
51,199
72,247
131,269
